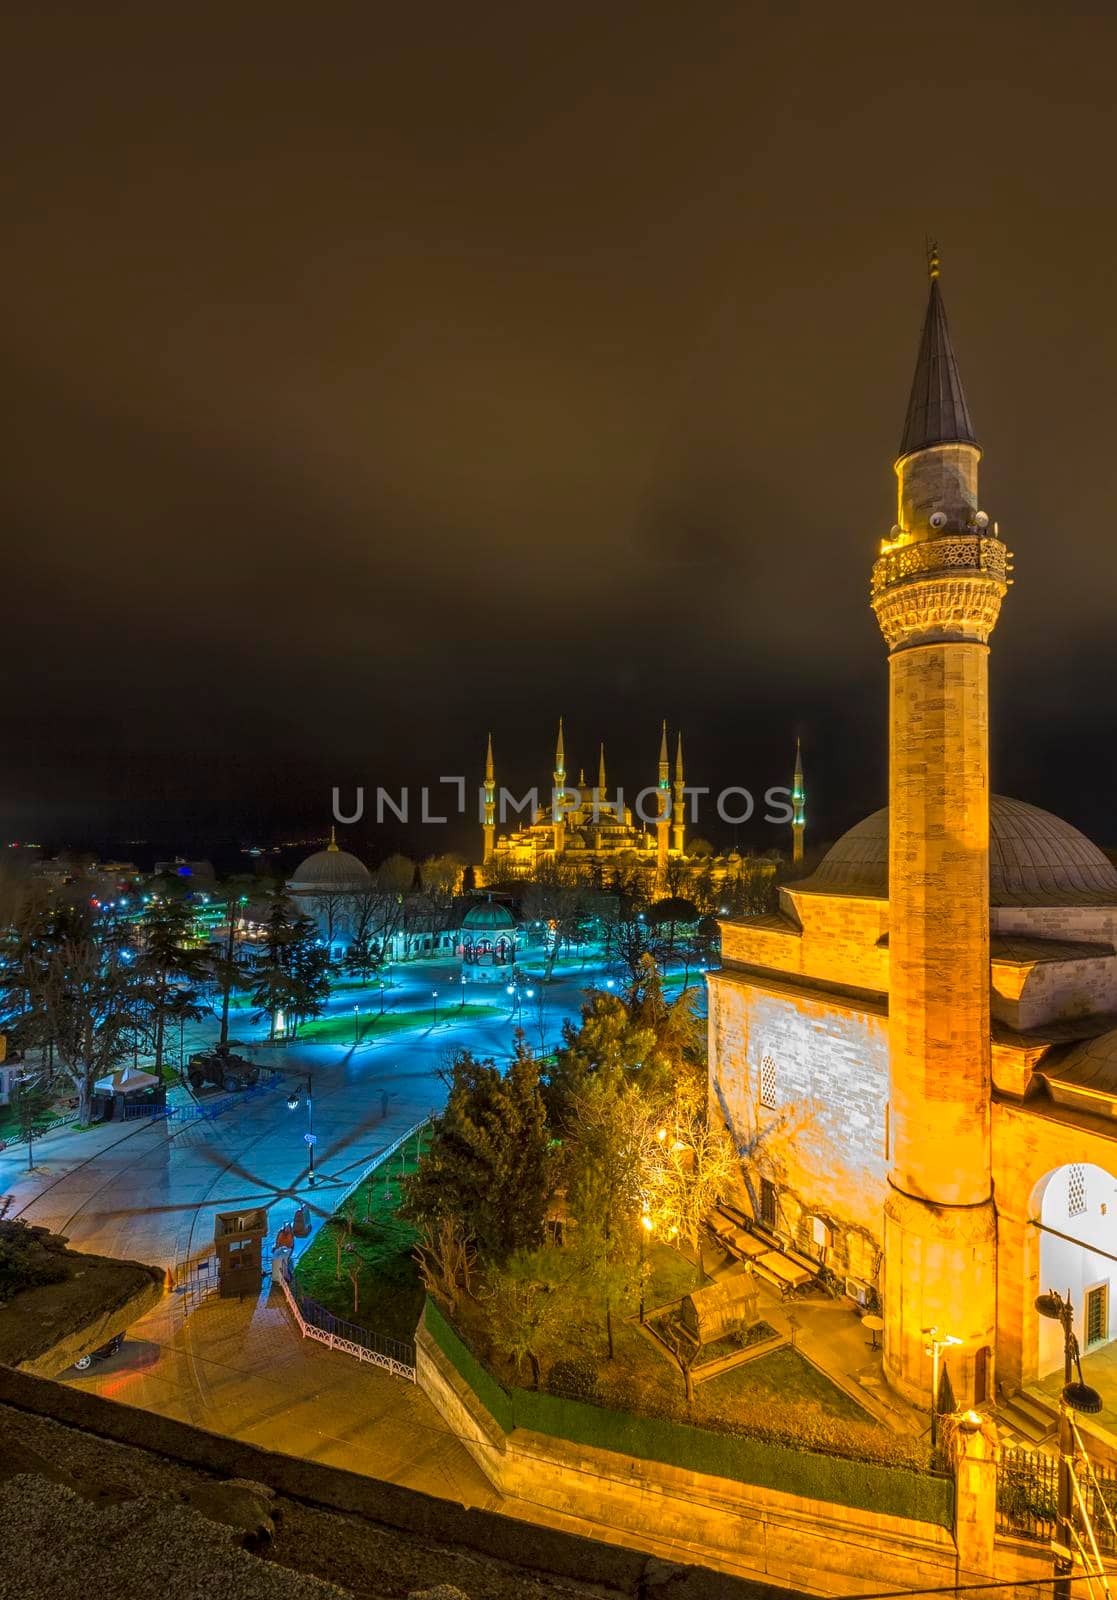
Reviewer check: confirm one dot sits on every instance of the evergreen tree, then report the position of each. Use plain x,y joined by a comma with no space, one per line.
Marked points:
489,1164
166,956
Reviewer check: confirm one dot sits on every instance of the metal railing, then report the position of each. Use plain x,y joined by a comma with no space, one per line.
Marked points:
396,1356
203,1110
1028,1499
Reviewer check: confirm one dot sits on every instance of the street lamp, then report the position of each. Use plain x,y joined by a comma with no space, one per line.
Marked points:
356,1024
936,1343
434,1008
310,1138
645,1228
1076,1396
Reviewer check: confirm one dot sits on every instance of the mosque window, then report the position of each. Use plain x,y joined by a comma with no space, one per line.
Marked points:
768,1083
1076,1191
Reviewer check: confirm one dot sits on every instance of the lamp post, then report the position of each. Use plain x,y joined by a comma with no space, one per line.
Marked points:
356,1025
434,1008
645,1229
1076,1396
936,1343
309,1137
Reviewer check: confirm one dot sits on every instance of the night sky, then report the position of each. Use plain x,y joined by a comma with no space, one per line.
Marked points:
377,375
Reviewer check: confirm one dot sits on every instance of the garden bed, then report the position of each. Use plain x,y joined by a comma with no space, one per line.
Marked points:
380,1244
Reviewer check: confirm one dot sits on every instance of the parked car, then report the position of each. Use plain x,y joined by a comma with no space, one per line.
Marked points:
102,1354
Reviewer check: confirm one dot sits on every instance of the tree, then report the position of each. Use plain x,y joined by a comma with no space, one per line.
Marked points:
609,1045
32,1103
295,978
165,956
363,957
89,997
489,1163
690,1168
603,1163
445,1257
527,1305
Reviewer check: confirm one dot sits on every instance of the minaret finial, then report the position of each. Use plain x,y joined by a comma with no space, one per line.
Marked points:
601,769
489,771
333,838
934,261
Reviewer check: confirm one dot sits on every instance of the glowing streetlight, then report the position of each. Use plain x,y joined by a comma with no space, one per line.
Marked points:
356,1024
936,1343
434,1008
310,1138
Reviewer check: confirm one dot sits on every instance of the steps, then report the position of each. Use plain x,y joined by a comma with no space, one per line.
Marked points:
1026,1417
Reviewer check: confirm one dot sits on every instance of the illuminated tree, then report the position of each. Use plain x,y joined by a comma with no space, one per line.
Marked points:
690,1168
489,1163
527,1304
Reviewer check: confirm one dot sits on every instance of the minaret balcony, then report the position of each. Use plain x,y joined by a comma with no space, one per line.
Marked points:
967,552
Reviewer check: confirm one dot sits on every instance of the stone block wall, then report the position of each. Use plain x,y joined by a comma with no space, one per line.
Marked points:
830,1061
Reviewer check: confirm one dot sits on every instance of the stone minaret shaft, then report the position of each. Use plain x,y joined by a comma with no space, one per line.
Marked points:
798,808
559,800
663,811
490,804
937,591
678,802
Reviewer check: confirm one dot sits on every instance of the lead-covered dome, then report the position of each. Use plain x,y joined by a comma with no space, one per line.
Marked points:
487,915
330,871
1034,858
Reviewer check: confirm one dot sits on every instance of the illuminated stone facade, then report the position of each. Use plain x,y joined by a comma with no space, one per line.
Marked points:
587,834
922,1039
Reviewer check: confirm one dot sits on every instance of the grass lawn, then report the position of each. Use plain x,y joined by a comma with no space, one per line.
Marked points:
390,1295
339,1029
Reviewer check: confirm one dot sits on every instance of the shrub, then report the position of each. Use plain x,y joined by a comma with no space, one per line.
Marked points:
574,1379
29,1257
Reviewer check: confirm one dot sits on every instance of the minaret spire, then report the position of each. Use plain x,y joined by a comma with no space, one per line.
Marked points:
489,829
663,812
937,409
678,802
601,772
798,807
558,796
333,845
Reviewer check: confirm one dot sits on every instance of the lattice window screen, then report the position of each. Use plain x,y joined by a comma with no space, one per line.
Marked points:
768,1083
1076,1191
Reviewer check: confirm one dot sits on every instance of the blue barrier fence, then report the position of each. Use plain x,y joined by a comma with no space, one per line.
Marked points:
203,1110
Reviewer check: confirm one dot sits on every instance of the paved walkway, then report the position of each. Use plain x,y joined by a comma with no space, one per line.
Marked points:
149,1192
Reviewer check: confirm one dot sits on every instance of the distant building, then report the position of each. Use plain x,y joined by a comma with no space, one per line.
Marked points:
593,837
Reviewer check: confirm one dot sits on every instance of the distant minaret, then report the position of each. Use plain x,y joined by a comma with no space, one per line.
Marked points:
936,590
798,808
490,804
601,773
558,795
678,804
663,811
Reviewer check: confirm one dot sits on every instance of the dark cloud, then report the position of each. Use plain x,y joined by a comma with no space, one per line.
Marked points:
378,376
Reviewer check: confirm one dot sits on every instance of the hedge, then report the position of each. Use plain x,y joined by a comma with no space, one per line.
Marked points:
866,1485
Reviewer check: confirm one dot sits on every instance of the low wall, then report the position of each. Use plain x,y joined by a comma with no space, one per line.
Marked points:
793,1538
530,1547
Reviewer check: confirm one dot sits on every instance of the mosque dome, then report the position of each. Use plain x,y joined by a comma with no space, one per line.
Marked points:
330,871
1035,858
488,916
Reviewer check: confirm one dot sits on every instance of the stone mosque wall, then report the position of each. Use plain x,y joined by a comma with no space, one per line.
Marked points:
823,1063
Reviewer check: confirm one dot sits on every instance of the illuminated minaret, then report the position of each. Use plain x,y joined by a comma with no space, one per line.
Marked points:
937,591
558,794
601,773
678,804
798,808
490,804
663,810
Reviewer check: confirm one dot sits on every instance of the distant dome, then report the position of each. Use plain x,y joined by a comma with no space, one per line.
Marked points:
487,914
1034,857
330,871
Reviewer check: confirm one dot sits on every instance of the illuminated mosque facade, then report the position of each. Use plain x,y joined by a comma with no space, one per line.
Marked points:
591,836
919,1048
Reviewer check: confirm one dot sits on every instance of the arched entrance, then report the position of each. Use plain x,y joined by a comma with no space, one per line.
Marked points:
1076,1208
